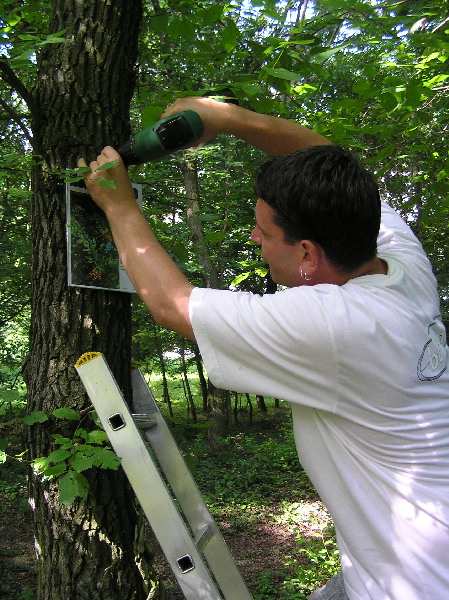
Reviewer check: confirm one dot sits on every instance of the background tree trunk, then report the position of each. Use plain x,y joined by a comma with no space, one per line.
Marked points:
184,376
160,354
202,379
219,401
80,103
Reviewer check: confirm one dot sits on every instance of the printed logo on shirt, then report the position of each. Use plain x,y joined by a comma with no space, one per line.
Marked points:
433,360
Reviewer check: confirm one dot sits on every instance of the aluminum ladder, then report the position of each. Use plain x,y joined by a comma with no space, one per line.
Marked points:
187,533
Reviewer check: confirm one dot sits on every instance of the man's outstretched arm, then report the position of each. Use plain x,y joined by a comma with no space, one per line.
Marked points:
158,281
273,135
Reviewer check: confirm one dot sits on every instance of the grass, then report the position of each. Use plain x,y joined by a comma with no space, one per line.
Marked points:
280,533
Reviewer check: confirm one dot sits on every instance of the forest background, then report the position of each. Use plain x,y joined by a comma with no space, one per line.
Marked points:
74,75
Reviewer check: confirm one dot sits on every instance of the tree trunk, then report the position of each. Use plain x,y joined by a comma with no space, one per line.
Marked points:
203,382
236,407
250,406
190,172
160,354
189,395
261,404
219,401
80,103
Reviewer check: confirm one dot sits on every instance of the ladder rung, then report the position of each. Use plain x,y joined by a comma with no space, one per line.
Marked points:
205,535
144,421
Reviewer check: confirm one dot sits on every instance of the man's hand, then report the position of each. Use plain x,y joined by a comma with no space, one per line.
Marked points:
116,193
216,116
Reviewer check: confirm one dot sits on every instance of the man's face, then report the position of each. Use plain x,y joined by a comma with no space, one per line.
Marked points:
283,259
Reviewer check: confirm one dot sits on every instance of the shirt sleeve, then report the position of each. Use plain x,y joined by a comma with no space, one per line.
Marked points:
395,235
397,240
279,345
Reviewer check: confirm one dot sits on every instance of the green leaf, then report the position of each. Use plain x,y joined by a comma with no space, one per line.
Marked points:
230,35
81,461
66,413
413,94
209,217
150,115
107,459
73,485
281,73
159,23
107,184
58,455
251,89
3,443
214,237
362,87
181,28
212,14
325,54
388,101
37,416
82,433
304,42
235,282
304,88
9,395
71,179
108,165
436,81
55,470
62,441
40,464
3,456
82,170
96,437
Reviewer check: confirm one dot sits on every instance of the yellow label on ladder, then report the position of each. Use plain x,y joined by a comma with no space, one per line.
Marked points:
85,358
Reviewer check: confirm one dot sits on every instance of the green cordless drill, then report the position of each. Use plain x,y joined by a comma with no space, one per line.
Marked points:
168,135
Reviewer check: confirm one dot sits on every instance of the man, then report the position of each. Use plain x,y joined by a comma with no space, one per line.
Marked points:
355,344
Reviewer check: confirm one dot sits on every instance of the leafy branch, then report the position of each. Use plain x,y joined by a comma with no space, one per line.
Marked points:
9,76
73,455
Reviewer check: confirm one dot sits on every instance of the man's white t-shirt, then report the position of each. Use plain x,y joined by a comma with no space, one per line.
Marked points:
365,368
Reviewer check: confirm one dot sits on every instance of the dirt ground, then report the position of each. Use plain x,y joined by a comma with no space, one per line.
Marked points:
17,569
260,547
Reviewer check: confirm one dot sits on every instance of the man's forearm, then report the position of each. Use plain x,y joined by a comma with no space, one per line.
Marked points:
158,281
273,135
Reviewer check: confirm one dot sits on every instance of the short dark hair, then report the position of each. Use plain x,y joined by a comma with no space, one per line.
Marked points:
323,194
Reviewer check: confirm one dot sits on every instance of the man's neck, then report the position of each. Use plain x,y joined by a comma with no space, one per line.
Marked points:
376,266
329,274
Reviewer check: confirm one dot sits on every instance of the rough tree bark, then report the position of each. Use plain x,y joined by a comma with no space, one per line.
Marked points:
80,103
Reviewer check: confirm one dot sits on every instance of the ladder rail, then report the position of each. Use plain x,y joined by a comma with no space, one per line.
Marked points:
207,534
169,528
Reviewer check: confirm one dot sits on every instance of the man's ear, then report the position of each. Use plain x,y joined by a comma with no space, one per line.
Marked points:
312,254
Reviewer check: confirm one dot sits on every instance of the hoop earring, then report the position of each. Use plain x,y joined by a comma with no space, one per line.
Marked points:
303,275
